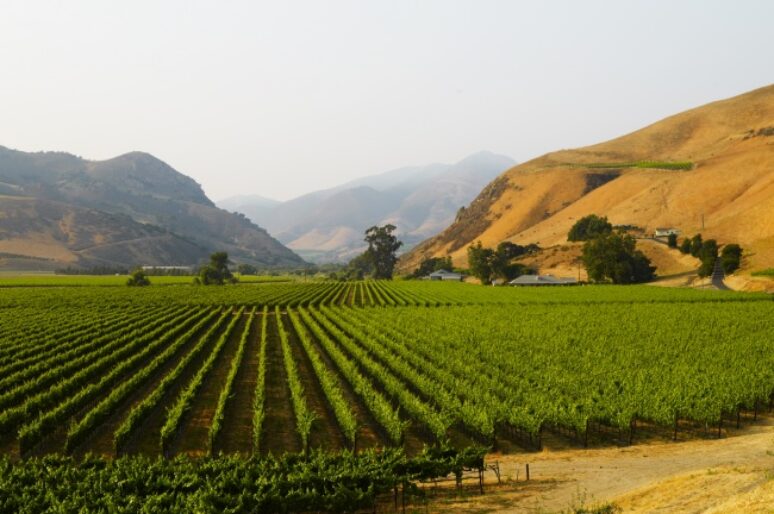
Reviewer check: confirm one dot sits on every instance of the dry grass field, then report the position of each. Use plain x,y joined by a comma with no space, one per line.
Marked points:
731,185
734,474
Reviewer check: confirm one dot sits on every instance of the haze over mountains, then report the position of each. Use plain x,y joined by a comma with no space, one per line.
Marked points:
729,188
420,201
57,209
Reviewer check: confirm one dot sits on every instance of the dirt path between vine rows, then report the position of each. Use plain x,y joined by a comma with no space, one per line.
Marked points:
732,474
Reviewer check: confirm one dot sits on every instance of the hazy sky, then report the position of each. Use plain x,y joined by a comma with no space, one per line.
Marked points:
281,98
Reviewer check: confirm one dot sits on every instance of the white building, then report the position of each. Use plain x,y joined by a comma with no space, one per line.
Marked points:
445,275
665,232
543,280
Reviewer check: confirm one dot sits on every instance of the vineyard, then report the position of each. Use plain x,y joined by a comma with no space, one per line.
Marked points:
288,367
268,369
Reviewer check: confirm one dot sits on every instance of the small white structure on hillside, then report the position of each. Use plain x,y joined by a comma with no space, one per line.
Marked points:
665,232
543,280
445,275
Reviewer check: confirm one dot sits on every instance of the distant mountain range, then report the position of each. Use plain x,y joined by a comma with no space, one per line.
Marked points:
328,225
57,210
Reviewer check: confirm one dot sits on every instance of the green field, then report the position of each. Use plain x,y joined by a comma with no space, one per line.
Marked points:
269,368
660,165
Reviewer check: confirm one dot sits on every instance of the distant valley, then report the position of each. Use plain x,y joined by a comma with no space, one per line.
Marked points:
328,225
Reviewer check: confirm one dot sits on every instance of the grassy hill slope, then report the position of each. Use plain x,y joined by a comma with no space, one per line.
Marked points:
729,145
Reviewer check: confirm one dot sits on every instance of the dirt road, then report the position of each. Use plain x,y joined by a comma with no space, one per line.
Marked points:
733,474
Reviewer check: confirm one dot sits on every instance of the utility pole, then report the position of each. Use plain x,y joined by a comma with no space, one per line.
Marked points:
702,221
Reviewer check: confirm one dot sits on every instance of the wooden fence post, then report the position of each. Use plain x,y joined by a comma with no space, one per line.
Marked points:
527,469
674,437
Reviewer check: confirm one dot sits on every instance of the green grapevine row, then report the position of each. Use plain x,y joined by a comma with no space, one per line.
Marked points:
175,414
225,393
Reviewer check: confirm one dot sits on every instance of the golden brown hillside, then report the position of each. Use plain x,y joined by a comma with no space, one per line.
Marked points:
731,184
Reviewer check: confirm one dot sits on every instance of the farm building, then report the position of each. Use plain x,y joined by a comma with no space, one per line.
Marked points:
542,280
665,232
445,275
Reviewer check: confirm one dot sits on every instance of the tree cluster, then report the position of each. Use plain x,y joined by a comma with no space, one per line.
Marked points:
247,269
431,265
488,264
589,227
608,254
216,272
613,256
692,245
707,253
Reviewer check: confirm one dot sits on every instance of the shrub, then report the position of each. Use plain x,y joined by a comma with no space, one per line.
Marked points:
137,279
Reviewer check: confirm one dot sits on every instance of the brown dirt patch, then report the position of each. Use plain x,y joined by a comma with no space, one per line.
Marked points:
733,474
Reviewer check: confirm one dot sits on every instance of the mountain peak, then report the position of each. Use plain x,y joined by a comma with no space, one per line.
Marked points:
132,193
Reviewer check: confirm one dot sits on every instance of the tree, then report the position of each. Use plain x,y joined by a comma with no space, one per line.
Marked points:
685,246
247,269
589,227
216,272
731,257
696,243
514,270
513,251
359,267
431,265
672,240
480,262
614,257
487,264
708,254
382,248
138,279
